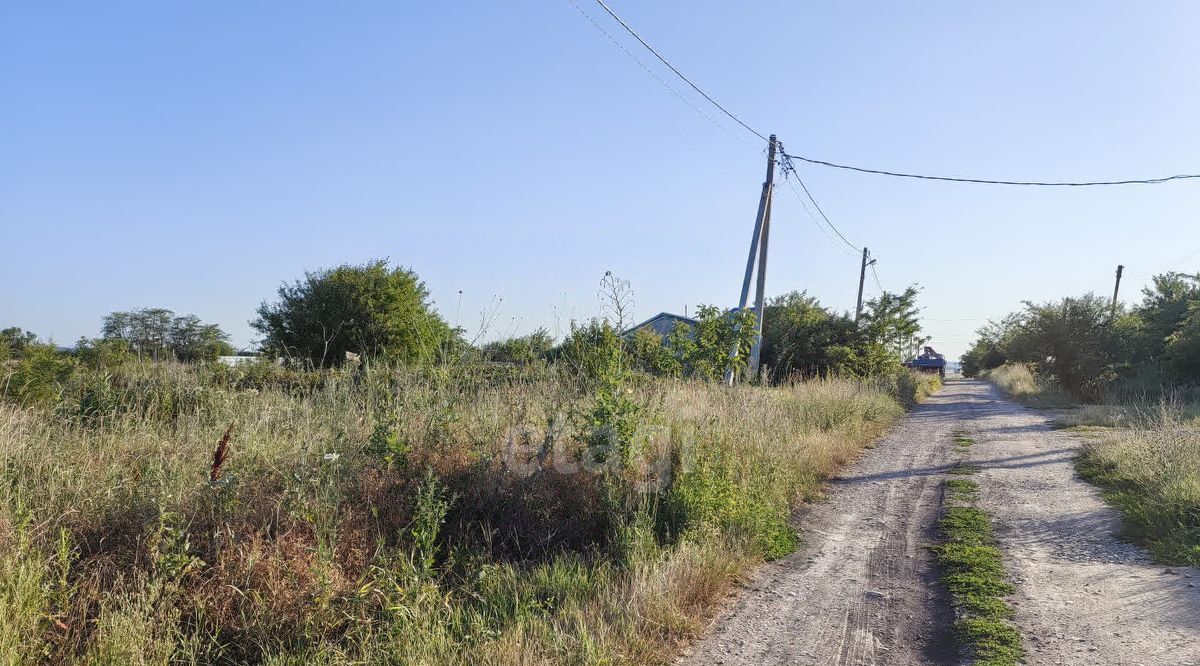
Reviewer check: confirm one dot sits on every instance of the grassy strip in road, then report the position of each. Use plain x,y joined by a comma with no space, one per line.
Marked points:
974,575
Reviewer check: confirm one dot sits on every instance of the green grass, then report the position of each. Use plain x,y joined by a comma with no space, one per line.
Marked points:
1151,474
962,486
1144,454
964,469
973,573
435,515
1019,382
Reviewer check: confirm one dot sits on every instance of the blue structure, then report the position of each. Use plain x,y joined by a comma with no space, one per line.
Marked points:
929,361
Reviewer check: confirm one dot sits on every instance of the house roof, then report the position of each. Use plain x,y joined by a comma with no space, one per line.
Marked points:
661,323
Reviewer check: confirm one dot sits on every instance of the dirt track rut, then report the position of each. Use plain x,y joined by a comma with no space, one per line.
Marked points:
863,588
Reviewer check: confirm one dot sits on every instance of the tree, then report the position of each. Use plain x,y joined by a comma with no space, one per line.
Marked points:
990,349
1165,307
801,337
1072,338
523,349
14,342
1183,349
648,352
892,320
704,349
192,340
102,353
159,333
368,309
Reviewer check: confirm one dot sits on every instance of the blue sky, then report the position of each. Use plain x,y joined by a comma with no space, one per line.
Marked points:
195,155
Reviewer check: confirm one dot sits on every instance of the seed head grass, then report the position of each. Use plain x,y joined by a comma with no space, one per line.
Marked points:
452,515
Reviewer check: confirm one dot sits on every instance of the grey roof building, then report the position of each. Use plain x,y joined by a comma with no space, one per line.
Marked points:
662,324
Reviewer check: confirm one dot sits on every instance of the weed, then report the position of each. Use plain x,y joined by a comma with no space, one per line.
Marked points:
962,486
391,510
1019,381
1151,474
973,573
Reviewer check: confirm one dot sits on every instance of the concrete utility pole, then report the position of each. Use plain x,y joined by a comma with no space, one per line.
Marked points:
759,292
862,277
764,204
1117,289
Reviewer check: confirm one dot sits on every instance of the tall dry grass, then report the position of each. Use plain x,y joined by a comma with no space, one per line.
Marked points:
1022,383
1144,453
437,515
1149,468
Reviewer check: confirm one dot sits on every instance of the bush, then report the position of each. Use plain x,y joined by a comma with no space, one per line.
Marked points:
39,375
370,310
1088,348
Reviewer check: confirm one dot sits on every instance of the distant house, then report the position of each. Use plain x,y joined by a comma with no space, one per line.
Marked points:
662,324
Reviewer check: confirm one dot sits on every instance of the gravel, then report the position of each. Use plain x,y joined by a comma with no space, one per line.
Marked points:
1083,595
863,589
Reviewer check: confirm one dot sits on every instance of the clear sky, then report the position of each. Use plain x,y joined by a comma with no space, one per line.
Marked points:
195,155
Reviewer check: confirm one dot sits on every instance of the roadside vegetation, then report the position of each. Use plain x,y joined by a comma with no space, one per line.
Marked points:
1021,382
1148,464
1130,380
1085,348
392,493
974,573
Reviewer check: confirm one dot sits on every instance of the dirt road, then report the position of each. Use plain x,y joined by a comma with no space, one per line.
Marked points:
863,589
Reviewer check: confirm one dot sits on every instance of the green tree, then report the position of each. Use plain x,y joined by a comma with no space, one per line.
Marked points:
369,309
522,349
14,342
158,333
717,333
801,337
893,320
649,353
990,349
102,353
192,340
39,374
1183,349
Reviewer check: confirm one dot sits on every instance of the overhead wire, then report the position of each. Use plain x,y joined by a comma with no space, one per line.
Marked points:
678,73
986,181
789,169
656,77
812,216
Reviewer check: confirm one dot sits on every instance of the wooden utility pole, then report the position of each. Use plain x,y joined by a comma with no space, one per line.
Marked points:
764,204
862,277
1117,289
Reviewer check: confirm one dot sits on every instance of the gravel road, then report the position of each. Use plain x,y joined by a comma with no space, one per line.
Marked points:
1083,596
863,588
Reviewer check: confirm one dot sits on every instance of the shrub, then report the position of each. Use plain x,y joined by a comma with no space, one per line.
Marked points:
369,309
39,375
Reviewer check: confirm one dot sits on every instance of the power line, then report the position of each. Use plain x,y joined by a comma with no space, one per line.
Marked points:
876,276
815,221
678,73
983,181
790,168
656,77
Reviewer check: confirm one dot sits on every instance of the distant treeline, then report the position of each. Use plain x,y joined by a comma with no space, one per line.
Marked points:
374,311
1091,348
